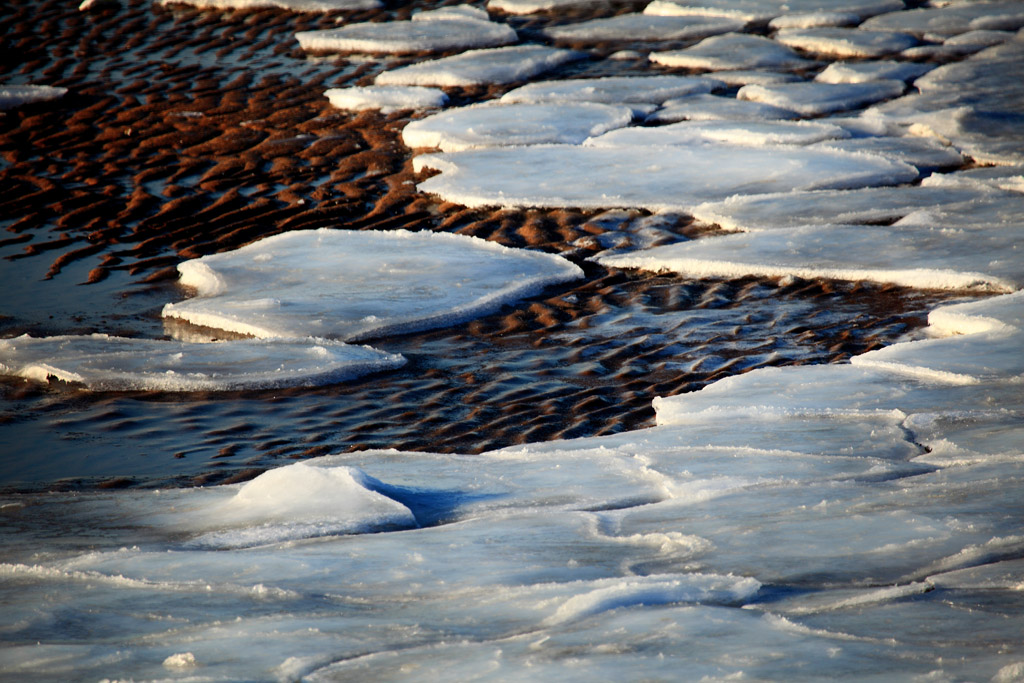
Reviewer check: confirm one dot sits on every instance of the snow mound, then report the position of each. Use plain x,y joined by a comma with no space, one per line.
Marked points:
354,285
106,363
386,98
514,124
433,31
481,67
301,501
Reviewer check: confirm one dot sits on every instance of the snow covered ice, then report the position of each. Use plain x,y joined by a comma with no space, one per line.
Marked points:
515,124
858,520
105,363
294,5
643,27
461,28
846,43
479,67
355,285
16,95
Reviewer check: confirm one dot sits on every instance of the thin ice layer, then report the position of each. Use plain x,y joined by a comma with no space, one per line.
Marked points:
481,67
12,96
386,98
926,258
988,315
764,11
815,99
434,31
293,5
846,43
733,51
658,178
612,90
714,108
357,284
749,133
105,363
983,357
514,124
634,27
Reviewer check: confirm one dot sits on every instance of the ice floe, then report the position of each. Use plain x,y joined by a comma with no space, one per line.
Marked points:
105,363
975,104
846,43
751,133
643,27
459,28
658,178
862,72
514,124
733,51
628,90
759,11
387,98
12,96
352,284
480,67
532,6
814,20
927,154
953,19
814,99
713,108
293,5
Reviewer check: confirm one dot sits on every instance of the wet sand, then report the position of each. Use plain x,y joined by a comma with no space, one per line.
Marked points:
187,133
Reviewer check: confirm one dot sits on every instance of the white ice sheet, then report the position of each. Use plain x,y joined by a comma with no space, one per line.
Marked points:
386,98
480,67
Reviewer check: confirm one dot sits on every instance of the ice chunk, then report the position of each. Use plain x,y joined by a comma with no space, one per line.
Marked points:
643,27
814,20
357,284
426,32
862,72
846,42
105,363
480,67
749,133
658,178
1007,15
764,11
293,5
299,501
868,205
813,99
713,108
531,6
914,257
971,359
387,98
733,51
996,314
12,96
612,90
976,104
514,124
927,154
744,76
